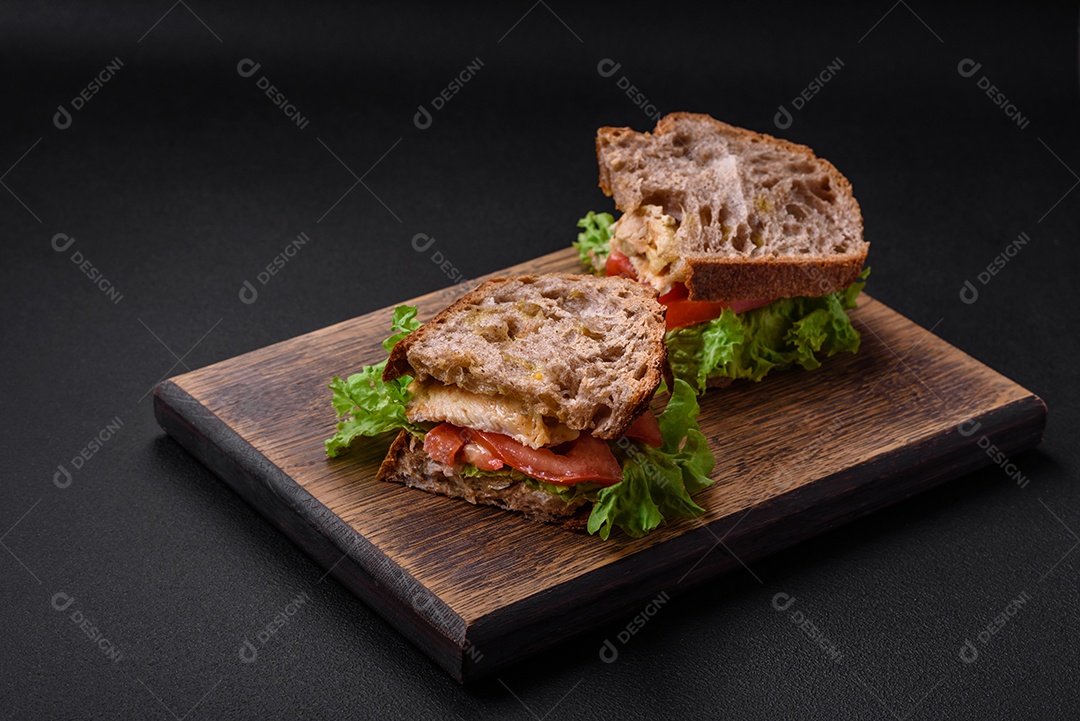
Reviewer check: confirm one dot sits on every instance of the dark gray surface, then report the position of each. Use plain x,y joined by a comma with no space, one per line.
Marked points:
180,179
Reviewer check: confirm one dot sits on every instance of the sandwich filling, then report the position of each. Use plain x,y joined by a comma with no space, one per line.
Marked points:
633,483
437,402
646,238
492,432
715,342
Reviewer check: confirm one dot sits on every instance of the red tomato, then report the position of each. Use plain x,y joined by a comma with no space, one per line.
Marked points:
678,292
741,306
443,442
646,429
619,264
681,311
481,457
588,459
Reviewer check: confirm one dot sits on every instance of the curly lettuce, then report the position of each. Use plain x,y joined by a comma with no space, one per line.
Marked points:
592,243
657,482
367,405
788,332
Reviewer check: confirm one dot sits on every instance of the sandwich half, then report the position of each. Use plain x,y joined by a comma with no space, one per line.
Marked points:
533,393
754,244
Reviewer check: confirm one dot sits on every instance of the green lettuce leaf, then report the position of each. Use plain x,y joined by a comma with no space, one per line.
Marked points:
367,405
592,242
657,482
402,323
786,333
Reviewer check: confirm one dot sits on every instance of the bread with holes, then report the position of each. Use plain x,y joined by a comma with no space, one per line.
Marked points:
536,356
733,214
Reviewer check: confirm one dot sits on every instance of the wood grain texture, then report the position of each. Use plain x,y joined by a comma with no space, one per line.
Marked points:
477,587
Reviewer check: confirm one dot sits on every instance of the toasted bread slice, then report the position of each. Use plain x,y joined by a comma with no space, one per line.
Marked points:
733,214
586,352
407,463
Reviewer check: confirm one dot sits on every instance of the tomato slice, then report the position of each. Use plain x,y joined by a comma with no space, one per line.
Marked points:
443,442
681,311
587,459
646,429
481,457
741,306
619,264
678,292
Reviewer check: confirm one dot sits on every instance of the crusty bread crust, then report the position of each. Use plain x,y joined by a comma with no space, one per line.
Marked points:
397,364
632,392
608,135
728,279
716,278
407,463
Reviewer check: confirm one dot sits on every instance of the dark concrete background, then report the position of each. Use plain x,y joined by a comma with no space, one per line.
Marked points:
180,179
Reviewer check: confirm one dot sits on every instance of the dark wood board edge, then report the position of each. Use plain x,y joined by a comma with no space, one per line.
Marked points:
385,586
626,586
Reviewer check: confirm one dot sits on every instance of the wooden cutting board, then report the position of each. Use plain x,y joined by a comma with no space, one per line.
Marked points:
477,588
